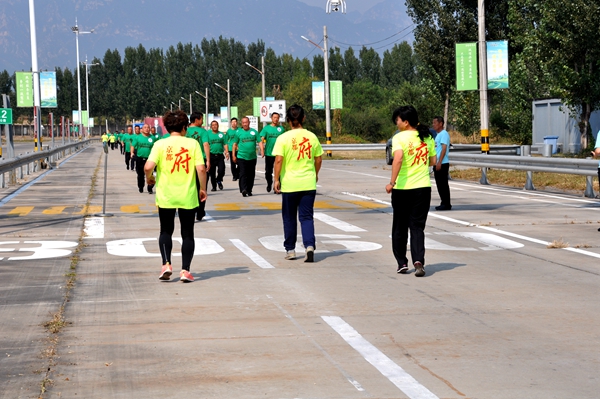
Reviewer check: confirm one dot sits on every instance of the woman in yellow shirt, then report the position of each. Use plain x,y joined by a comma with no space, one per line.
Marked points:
410,186
178,160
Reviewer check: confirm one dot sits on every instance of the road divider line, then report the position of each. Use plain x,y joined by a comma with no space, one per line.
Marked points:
337,223
254,257
94,227
498,231
386,366
209,218
357,173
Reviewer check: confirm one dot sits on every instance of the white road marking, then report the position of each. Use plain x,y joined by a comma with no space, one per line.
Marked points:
357,173
386,366
209,218
254,257
135,247
275,243
337,223
94,227
498,231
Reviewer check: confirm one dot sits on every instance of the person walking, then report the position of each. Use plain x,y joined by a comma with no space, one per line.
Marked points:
127,140
178,160
442,166
298,158
197,132
218,153
596,153
244,145
410,186
269,135
231,133
140,149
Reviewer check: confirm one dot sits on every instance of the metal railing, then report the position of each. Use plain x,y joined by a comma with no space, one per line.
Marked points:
23,165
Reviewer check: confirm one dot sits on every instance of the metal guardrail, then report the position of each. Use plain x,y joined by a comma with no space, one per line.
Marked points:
23,165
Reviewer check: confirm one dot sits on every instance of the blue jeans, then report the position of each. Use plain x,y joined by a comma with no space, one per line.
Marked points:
299,205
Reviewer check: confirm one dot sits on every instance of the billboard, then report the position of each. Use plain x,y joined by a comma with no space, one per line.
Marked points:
24,86
336,99
48,89
318,95
466,66
497,64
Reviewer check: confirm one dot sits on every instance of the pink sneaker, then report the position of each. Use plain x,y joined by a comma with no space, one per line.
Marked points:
165,272
186,277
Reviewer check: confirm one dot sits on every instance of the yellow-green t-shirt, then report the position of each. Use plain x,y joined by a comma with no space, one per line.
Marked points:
104,138
299,148
176,159
414,172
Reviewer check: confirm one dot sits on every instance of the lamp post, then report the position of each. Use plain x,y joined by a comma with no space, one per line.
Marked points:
262,72
205,105
77,32
189,101
326,62
87,91
228,99
172,103
36,78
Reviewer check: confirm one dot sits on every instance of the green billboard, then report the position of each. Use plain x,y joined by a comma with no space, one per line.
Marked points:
466,66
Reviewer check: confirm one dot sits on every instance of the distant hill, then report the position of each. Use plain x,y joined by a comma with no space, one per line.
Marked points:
156,23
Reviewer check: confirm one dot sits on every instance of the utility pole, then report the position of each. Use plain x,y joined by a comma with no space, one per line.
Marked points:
37,110
483,99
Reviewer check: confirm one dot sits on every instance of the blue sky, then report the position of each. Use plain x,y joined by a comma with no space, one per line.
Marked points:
353,5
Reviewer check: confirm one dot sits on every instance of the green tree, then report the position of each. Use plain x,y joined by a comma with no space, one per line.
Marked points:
398,65
370,65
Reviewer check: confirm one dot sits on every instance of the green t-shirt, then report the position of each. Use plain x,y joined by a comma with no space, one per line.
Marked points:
176,159
231,133
414,172
246,141
299,148
127,140
199,134
270,134
217,142
143,145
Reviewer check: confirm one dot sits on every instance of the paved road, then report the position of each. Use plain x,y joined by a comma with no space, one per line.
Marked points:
499,315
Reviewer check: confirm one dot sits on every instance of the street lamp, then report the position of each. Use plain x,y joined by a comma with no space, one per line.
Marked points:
206,104
87,92
326,62
189,101
172,103
228,98
77,32
262,72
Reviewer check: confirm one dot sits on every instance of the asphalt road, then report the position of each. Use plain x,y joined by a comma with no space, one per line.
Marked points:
498,315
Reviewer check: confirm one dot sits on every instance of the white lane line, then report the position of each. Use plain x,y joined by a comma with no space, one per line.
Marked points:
94,227
254,257
209,218
357,173
337,223
350,379
506,233
545,201
386,366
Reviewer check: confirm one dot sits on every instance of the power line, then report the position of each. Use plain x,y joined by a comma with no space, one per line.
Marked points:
311,51
379,41
394,42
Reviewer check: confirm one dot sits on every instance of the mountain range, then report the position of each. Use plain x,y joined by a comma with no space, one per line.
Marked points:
118,24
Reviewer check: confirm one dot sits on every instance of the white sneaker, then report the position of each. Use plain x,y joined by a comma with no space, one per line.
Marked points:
290,255
310,255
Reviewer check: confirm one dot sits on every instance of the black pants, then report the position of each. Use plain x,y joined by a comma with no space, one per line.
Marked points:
269,162
141,175
410,213
167,227
217,169
235,170
441,181
201,210
247,173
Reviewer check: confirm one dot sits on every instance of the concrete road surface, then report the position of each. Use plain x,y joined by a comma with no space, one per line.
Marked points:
498,315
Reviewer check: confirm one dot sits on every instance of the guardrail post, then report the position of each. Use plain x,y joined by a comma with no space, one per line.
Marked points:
2,180
589,187
547,150
484,179
526,152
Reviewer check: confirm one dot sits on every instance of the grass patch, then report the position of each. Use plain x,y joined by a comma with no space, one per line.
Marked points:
352,155
516,178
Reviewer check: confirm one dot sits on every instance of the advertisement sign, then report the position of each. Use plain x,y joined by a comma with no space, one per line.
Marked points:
24,88
253,122
224,115
466,66
48,89
335,94
234,112
497,64
268,107
318,95
75,117
256,106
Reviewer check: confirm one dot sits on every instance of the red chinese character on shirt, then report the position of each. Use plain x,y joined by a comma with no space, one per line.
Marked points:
181,161
169,153
421,155
305,148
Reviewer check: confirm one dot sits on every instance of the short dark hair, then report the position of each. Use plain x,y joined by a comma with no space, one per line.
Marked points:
276,113
175,121
234,119
439,119
195,116
295,115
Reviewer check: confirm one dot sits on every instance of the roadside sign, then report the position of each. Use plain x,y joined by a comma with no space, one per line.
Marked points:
268,107
6,116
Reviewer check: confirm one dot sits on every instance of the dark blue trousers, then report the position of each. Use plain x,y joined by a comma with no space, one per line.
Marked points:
298,206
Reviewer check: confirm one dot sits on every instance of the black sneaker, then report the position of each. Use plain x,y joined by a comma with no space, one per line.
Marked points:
249,194
213,189
244,193
220,185
419,269
443,208
402,269
269,187
141,190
